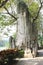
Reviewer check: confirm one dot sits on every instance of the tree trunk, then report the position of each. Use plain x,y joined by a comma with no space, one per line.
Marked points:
23,26
34,32
12,42
26,31
34,39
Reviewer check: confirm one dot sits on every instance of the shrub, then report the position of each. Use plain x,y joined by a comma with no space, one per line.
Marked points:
20,53
7,56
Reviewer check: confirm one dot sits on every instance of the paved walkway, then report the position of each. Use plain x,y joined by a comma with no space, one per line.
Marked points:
32,61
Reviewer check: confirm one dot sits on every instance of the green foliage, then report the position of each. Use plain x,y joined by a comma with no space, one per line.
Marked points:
7,4
20,53
38,22
12,0
6,20
28,2
40,39
33,9
10,3
14,35
1,1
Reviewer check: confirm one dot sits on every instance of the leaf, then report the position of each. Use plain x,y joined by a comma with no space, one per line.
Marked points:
33,9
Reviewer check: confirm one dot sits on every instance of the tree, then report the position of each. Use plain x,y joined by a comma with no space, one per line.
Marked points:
26,29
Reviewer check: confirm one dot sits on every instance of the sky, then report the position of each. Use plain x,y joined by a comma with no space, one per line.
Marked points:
10,30
42,11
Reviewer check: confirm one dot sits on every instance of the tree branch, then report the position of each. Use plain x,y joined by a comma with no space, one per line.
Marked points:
38,11
3,3
10,13
33,23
